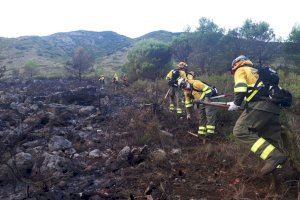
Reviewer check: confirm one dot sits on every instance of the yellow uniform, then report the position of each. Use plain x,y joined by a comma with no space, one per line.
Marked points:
201,91
258,126
175,93
115,78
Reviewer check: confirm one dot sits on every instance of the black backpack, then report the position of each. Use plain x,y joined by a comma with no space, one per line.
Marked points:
268,76
175,75
270,79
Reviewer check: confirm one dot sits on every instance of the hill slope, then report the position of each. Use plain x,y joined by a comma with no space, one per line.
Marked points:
54,50
51,52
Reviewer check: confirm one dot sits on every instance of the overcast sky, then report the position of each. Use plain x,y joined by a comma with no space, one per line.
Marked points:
134,18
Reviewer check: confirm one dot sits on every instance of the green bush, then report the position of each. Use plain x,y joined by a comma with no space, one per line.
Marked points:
149,59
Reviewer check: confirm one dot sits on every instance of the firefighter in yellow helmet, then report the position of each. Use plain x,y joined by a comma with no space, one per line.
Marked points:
190,75
125,80
258,126
115,78
197,90
172,78
102,79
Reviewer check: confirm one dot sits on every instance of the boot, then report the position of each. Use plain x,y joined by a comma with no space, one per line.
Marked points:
271,165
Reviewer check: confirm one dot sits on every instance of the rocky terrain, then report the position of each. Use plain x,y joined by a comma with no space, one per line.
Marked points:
63,139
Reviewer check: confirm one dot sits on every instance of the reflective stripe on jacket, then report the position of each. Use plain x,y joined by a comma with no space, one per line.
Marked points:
244,80
198,91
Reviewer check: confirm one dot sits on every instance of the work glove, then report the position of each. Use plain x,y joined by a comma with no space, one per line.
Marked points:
188,116
232,106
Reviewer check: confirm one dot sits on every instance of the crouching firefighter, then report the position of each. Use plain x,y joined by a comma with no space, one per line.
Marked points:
196,90
175,93
256,91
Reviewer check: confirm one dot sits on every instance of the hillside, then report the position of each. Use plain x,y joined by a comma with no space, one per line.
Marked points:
54,50
160,35
108,48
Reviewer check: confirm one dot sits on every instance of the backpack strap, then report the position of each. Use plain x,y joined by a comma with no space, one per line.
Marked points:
256,89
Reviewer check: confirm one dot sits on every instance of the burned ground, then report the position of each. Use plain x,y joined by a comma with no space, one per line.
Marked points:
61,139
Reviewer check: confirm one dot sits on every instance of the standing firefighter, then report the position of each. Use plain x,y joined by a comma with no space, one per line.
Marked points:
196,90
125,80
175,93
102,79
115,80
258,126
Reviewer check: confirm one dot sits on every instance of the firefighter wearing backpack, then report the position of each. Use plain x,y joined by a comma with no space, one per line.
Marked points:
197,90
172,78
258,126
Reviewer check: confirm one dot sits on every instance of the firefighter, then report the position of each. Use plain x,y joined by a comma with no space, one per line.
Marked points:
115,80
258,126
197,90
190,75
125,80
102,79
175,93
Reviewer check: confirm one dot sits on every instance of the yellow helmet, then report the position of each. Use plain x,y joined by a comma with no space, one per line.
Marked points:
190,75
182,65
239,62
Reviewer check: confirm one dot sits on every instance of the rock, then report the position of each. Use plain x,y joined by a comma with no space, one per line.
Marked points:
59,143
158,155
104,155
23,162
176,151
22,109
32,144
86,110
88,128
95,153
70,151
55,164
34,107
81,96
76,155
104,101
138,155
4,175
123,154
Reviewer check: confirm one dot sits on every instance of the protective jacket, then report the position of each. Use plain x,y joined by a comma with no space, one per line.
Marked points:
174,75
101,78
207,116
246,89
115,78
198,91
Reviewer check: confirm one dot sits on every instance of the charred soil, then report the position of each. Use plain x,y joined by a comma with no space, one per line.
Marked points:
61,139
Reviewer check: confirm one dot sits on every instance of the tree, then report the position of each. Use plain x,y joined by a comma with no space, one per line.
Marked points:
81,62
31,68
258,37
208,26
294,36
204,44
292,47
181,48
260,31
148,59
